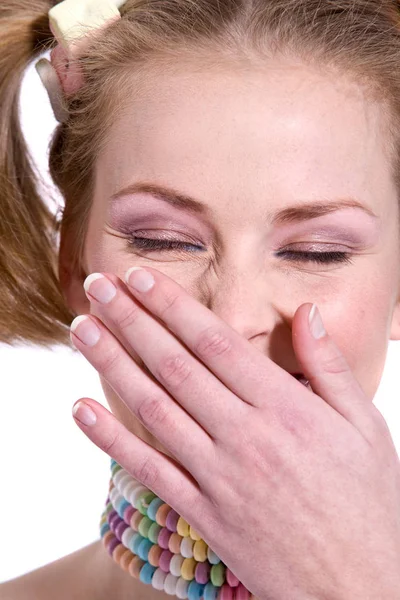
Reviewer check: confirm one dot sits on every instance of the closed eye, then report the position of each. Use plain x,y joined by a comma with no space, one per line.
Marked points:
153,245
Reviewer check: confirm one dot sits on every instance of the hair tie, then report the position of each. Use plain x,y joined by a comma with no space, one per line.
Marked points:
74,24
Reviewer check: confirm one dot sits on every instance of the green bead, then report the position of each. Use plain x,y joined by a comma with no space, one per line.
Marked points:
109,508
217,574
153,532
143,501
144,526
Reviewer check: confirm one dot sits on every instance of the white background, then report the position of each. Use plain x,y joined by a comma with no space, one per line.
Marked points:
54,480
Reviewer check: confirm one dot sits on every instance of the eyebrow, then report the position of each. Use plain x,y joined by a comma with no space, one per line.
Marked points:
292,214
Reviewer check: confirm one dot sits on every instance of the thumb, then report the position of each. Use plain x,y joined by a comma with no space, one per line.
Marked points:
327,369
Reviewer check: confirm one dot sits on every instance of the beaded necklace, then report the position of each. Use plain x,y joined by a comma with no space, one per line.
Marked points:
153,543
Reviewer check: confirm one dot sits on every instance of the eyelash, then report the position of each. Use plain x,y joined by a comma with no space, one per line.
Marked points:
152,245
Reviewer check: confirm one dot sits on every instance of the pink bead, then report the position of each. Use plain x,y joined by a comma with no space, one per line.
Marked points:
165,559
128,512
120,528
231,578
242,593
163,538
111,515
172,520
226,592
202,572
114,522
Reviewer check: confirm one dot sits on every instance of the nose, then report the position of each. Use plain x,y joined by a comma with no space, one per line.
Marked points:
247,301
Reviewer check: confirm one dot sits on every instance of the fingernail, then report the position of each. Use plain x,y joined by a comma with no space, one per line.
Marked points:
87,332
139,279
104,291
84,413
315,321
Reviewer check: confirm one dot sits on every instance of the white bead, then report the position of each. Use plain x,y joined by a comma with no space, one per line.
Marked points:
176,564
136,493
118,476
212,557
128,489
123,483
182,587
170,584
157,581
114,495
187,547
127,536
127,477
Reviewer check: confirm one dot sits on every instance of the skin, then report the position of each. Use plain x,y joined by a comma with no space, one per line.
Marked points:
247,143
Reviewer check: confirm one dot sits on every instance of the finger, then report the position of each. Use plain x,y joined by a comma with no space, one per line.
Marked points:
188,381
329,374
236,362
159,413
153,469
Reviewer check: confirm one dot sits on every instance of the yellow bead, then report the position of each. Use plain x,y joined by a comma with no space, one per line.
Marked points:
188,568
194,535
182,527
200,551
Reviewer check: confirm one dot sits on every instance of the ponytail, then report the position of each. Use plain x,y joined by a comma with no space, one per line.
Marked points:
32,307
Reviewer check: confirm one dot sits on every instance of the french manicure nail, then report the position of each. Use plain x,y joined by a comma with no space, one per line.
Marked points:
315,321
84,329
84,413
140,279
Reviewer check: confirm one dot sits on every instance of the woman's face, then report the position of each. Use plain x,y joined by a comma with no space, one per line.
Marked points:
252,146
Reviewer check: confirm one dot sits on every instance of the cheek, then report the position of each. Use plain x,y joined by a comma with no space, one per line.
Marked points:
358,325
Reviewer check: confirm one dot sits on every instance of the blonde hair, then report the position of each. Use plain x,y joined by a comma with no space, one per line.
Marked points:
359,37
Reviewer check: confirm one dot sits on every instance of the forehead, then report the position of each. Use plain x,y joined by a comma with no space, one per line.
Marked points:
285,130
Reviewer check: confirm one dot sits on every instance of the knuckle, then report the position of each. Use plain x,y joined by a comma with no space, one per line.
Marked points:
153,412
170,302
173,370
108,362
148,473
211,343
127,317
335,364
111,443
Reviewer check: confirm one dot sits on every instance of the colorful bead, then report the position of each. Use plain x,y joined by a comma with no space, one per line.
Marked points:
200,550
163,538
162,513
195,590
188,567
154,555
175,566
153,508
193,534
202,572
143,501
174,543
156,545
187,547
217,574
144,526
146,573
135,565
154,532
143,548
231,578
158,579
183,527
165,560
172,520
